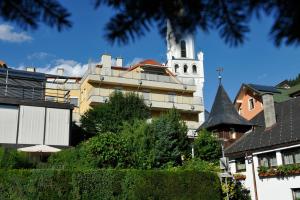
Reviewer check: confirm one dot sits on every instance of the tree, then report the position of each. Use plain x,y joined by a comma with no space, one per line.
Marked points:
135,18
29,13
207,147
166,140
110,117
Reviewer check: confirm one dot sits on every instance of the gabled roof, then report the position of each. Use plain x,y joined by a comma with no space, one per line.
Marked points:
223,112
258,89
263,88
285,132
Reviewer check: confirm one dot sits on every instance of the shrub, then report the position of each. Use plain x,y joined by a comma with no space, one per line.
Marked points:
110,117
108,184
13,159
207,147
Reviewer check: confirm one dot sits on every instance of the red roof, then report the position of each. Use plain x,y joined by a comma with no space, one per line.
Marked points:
149,62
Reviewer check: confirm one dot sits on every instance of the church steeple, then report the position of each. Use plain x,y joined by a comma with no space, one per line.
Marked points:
182,62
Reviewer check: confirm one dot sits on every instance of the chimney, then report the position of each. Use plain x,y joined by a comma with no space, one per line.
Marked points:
106,61
119,62
60,71
30,69
106,65
269,110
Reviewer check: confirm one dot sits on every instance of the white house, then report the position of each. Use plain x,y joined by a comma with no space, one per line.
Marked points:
267,158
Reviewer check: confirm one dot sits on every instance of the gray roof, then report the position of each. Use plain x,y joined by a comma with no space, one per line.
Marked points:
263,88
285,132
223,112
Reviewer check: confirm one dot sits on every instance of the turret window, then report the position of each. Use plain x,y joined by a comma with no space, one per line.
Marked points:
185,69
183,48
176,67
194,69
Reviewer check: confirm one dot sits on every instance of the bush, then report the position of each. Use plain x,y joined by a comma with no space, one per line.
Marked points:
110,117
13,159
108,184
200,165
207,147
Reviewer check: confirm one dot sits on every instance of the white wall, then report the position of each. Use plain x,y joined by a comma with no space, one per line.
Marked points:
276,188
8,123
31,125
57,127
37,125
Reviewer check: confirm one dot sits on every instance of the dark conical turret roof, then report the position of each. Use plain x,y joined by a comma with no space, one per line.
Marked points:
223,112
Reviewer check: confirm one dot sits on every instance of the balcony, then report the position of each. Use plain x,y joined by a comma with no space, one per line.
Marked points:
153,100
117,77
34,93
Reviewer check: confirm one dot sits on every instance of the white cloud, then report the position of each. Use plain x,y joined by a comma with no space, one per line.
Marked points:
134,61
71,67
7,34
39,56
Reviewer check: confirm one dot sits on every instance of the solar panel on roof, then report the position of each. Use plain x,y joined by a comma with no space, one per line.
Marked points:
264,88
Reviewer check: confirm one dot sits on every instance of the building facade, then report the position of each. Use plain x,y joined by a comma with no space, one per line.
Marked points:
27,116
178,83
268,157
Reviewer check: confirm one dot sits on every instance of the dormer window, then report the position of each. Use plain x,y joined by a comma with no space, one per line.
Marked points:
251,104
194,69
176,67
185,69
183,48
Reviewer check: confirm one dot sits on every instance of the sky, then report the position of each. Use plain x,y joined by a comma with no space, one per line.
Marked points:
256,61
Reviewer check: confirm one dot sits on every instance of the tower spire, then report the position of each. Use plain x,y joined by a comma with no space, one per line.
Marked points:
220,70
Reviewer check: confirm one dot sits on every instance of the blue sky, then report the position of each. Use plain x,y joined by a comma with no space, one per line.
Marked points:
257,61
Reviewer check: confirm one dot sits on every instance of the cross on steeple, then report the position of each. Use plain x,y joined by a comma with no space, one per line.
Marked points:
220,70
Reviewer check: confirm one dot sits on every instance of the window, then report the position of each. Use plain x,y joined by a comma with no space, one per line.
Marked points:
183,48
240,165
232,134
172,97
296,193
176,68
251,104
185,69
194,69
291,156
268,160
74,101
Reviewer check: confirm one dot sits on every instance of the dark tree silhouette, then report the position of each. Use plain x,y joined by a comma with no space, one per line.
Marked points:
29,13
134,18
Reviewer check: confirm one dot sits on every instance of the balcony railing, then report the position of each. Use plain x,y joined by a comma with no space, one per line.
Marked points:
153,99
34,93
139,76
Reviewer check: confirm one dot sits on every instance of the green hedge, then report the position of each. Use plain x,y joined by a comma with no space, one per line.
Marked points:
108,184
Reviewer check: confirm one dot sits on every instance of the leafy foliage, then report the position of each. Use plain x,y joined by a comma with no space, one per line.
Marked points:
236,191
110,117
200,165
167,139
108,184
108,150
134,19
12,159
29,13
207,147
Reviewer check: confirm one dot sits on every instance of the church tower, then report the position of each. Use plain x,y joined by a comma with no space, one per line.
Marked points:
182,62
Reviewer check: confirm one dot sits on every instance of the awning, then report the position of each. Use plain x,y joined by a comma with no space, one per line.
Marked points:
40,148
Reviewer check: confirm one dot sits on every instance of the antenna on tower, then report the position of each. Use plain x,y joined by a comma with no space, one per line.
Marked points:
220,70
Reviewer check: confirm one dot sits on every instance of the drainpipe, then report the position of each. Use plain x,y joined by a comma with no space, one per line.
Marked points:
254,180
